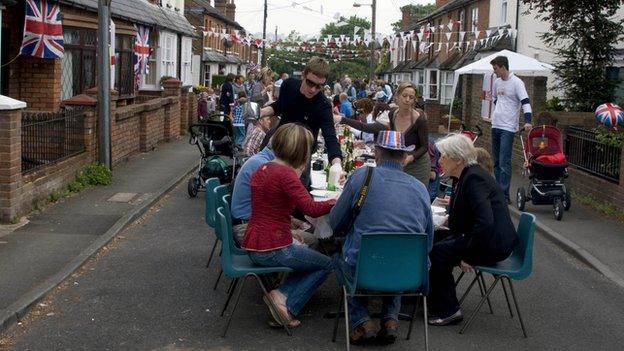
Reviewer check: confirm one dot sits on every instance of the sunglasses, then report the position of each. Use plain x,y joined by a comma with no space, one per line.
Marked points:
314,85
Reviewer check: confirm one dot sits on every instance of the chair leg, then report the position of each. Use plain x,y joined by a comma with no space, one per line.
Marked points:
459,278
337,319
425,316
214,247
483,288
507,298
483,299
266,293
411,325
240,290
230,294
468,290
218,278
513,295
346,313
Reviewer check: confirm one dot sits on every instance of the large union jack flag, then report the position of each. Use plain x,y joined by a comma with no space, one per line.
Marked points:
43,30
141,50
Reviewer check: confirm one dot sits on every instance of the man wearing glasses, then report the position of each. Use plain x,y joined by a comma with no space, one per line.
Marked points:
302,101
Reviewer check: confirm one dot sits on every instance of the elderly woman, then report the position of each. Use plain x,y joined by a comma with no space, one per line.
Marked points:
481,231
263,89
275,193
411,122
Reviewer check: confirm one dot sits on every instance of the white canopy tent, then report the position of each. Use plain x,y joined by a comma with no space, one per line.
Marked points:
518,64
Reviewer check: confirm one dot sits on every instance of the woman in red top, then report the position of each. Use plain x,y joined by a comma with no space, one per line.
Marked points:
275,192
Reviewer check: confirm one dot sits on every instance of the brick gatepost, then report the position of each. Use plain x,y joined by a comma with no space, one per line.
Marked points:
10,157
172,112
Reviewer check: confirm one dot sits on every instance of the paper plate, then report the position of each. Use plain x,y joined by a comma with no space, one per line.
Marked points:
438,210
319,193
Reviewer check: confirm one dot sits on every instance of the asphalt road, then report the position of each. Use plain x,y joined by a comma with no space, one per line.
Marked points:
149,290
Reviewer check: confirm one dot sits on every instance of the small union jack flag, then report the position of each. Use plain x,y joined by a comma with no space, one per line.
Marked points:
141,50
43,30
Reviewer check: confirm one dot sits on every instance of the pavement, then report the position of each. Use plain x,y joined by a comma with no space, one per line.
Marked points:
49,250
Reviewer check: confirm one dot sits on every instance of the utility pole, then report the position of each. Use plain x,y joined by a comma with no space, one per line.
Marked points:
264,34
275,33
103,60
372,58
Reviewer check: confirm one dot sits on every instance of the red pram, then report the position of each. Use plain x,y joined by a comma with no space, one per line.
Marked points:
547,168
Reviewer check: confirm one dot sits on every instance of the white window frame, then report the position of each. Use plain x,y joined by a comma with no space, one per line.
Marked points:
474,18
207,74
419,81
168,54
186,59
504,7
446,87
432,90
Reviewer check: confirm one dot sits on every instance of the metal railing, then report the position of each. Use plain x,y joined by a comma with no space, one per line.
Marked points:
586,153
49,137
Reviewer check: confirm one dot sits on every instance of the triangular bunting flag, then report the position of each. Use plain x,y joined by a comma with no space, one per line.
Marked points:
450,25
448,36
488,32
461,36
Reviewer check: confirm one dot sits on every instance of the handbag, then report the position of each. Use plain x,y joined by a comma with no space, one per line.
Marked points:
333,244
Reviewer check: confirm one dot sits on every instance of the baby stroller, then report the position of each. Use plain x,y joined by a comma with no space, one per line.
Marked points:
214,139
546,167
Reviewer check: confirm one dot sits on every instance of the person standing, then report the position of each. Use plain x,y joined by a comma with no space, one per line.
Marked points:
337,87
238,87
263,88
302,101
278,84
509,94
249,83
226,100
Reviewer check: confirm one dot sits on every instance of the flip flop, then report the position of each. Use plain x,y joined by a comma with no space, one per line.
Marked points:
275,322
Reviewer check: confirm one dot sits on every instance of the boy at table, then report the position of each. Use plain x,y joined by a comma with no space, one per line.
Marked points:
395,203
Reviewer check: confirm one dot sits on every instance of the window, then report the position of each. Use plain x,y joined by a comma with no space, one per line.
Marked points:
431,84
151,78
462,19
186,58
78,65
419,81
124,67
168,57
207,75
446,88
504,12
474,19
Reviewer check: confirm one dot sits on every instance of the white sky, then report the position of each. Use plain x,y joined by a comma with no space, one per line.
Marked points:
282,14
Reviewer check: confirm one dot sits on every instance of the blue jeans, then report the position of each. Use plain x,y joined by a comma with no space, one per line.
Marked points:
502,144
239,135
358,310
311,268
434,187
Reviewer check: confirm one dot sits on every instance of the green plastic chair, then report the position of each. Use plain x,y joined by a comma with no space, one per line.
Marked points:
518,266
241,267
210,213
389,264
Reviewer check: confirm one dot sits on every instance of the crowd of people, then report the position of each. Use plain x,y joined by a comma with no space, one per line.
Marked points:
271,191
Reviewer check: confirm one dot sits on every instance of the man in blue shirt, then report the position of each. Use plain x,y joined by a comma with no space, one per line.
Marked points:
395,202
346,108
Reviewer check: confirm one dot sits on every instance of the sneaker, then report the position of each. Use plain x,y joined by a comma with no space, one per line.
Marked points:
389,332
452,319
363,334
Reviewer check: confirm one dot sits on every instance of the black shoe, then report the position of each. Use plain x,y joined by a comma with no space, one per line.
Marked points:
452,319
389,332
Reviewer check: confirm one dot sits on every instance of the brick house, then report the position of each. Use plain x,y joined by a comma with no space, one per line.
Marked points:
215,27
44,83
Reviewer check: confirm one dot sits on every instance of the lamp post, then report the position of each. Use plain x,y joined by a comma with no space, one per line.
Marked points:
373,6
103,60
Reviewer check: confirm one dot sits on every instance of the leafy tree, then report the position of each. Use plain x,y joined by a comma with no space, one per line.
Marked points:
583,34
347,28
416,10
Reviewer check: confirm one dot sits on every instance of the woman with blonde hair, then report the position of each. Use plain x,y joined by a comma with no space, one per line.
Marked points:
263,89
412,122
275,193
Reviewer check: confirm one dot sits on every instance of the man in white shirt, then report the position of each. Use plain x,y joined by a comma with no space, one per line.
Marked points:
509,95
278,85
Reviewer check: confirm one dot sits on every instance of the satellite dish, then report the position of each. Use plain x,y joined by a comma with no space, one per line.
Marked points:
227,43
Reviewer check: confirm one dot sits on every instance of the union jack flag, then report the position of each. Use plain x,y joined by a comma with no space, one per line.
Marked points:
43,30
141,50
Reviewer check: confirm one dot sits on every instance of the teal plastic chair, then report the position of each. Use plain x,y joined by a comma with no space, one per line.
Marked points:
241,267
211,201
221,199
518,266
389,264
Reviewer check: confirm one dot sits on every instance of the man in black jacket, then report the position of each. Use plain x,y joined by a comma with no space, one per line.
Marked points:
227,94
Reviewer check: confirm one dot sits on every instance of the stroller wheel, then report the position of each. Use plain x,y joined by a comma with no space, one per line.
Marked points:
193,186
567,201
520,198
558,208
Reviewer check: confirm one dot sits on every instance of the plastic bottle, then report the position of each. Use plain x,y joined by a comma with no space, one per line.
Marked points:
334,176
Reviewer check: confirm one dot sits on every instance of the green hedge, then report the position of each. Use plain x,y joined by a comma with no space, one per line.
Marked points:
217,79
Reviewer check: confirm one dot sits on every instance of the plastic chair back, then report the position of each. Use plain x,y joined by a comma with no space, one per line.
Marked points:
524,251
218,193
392,262
224,227
210,212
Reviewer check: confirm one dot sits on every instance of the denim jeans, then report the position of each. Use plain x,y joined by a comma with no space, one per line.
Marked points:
434,187
239,135
311,268
358,310
502,144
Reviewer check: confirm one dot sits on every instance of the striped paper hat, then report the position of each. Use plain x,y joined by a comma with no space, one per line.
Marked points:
393,140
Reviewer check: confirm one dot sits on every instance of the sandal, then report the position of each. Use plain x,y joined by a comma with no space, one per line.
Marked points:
276,314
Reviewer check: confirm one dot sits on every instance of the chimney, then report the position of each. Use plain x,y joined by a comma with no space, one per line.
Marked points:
220,5
440,3
230,10
408,19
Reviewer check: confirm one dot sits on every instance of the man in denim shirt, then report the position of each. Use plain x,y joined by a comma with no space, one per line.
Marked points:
396,202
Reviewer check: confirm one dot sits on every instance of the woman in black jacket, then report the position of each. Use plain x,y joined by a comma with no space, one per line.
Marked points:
227,94
481,231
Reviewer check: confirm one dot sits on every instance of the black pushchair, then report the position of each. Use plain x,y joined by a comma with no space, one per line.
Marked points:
215,140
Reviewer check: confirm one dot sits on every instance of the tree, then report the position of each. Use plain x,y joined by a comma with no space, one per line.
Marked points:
417,11
583,34
347,28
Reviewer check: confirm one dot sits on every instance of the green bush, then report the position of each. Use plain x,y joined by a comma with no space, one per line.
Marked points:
165,78
554,104
95,174
217,80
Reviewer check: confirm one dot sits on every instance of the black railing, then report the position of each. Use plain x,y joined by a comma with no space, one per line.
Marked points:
49,137
586,153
